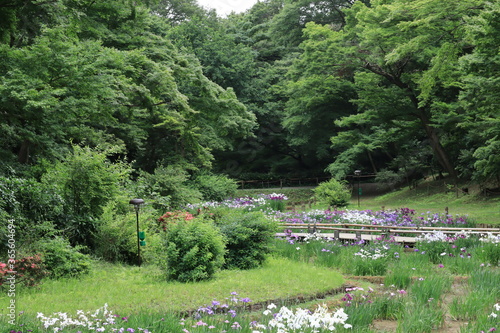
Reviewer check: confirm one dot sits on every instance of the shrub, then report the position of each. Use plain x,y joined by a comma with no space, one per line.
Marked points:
171,218
215,187
116,237
32,205
333,193
194,250
86,181
167,188
63,260
248,236
28,271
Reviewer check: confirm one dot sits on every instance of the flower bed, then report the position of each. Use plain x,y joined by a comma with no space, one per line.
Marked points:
413,294
403,217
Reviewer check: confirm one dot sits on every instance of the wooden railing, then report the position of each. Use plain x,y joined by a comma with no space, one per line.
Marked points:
352,231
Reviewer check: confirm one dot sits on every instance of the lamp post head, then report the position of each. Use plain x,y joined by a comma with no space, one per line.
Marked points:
357,173
137,203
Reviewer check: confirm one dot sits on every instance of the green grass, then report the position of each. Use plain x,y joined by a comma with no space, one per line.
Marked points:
129,289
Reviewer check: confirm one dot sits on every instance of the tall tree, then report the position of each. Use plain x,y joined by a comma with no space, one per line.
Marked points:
480,97
316,98
113,78
405,47
177,11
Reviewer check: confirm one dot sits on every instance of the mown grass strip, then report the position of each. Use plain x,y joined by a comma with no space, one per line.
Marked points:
132,289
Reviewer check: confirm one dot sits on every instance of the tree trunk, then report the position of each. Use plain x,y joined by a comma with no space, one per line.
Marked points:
437,148
24,152
374,168
431,132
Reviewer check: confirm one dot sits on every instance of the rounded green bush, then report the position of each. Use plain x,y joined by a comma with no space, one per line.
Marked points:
63,260
248,236
333,193
194,249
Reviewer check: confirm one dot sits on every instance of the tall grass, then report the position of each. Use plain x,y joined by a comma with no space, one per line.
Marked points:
487,280
430,289
420,318
472,305
400,278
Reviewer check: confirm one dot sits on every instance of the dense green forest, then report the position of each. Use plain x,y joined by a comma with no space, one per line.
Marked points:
288,88
102,101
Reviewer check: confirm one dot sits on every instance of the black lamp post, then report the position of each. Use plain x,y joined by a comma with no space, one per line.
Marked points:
137,205
357,173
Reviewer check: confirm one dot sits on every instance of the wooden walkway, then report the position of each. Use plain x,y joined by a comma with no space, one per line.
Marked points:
403,235
350,236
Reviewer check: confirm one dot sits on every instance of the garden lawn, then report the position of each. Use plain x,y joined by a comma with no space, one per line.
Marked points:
143,289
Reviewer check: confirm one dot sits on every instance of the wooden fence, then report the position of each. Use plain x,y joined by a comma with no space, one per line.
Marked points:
280,183
294,182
